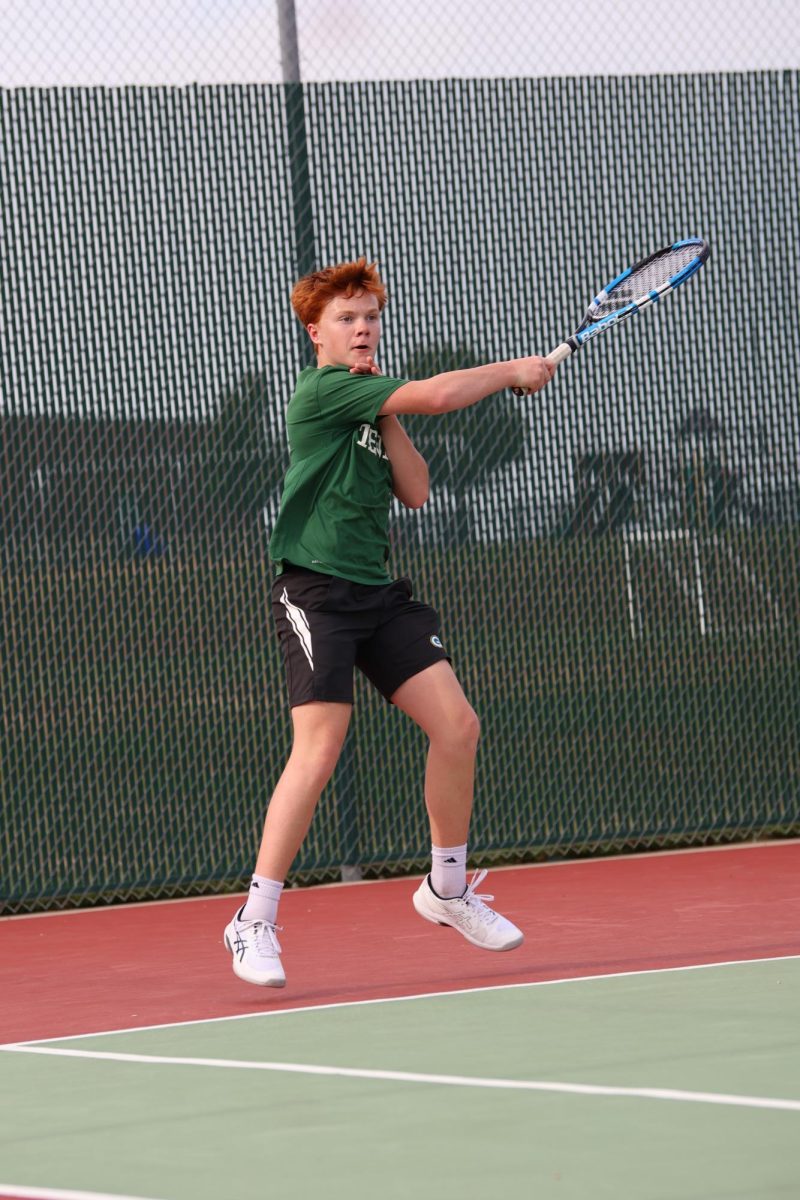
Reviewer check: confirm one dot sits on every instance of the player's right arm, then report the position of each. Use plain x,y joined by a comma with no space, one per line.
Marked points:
460,389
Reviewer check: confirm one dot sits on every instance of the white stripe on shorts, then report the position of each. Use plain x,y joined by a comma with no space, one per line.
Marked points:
299,623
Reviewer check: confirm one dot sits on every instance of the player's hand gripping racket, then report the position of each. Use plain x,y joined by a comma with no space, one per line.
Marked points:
641,285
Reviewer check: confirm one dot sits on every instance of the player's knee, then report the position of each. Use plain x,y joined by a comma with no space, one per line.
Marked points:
462,731
325,756
318,756
471,728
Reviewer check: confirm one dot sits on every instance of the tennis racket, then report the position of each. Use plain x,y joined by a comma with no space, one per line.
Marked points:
645,283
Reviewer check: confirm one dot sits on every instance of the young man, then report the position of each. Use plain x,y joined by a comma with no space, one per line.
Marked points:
337,607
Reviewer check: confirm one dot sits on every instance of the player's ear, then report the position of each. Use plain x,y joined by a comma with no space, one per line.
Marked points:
313,333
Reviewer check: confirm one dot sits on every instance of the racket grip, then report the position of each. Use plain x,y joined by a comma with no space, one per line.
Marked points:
561,352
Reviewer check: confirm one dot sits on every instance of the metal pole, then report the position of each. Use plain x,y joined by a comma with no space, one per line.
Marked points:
290,54
304,250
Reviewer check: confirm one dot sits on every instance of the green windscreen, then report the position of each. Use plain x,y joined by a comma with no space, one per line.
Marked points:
615,561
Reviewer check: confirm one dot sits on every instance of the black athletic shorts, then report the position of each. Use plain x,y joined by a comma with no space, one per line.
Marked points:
327,626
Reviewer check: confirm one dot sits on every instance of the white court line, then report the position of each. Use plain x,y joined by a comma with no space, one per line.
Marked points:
338,883
304,1008
470,1081
44,1193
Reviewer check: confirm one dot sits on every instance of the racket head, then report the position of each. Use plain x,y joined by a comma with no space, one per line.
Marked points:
648,280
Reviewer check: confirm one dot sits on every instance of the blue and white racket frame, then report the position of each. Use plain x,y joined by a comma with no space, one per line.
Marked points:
592,324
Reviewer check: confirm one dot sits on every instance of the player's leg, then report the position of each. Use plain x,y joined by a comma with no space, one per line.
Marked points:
319,645
405,659
319,732
434,699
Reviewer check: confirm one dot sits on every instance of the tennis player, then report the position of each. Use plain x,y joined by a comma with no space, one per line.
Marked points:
337,607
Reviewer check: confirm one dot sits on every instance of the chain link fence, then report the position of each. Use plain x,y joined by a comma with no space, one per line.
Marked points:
615,562
91,43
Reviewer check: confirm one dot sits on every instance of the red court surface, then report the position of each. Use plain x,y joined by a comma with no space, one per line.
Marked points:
130,966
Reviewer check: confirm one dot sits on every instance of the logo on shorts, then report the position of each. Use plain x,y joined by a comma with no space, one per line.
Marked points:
435,641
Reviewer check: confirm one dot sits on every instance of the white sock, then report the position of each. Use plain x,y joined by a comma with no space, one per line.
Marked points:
262,900
449,871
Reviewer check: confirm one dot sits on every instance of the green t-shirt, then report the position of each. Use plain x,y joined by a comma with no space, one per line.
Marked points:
334,512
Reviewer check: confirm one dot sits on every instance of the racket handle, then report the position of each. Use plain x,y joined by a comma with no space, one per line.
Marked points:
557,356
560,353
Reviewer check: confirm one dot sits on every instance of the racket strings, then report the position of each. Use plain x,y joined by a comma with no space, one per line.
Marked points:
648,276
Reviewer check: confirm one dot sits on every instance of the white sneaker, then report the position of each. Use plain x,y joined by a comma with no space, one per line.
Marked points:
256,951
468,914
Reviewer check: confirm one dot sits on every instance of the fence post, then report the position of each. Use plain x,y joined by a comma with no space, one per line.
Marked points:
304,249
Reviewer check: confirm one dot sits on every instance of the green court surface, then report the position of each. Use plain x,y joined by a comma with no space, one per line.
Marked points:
691,1090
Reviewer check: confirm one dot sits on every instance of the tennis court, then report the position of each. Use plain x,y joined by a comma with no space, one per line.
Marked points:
616,564
642,1043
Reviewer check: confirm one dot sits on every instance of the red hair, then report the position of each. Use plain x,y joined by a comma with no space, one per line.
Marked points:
311,293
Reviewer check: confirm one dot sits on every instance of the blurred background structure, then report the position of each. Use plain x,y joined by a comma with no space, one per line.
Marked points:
615,562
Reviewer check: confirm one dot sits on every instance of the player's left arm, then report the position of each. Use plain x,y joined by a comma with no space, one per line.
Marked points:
409,469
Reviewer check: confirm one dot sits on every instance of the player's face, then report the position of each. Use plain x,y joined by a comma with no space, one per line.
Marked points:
348,331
